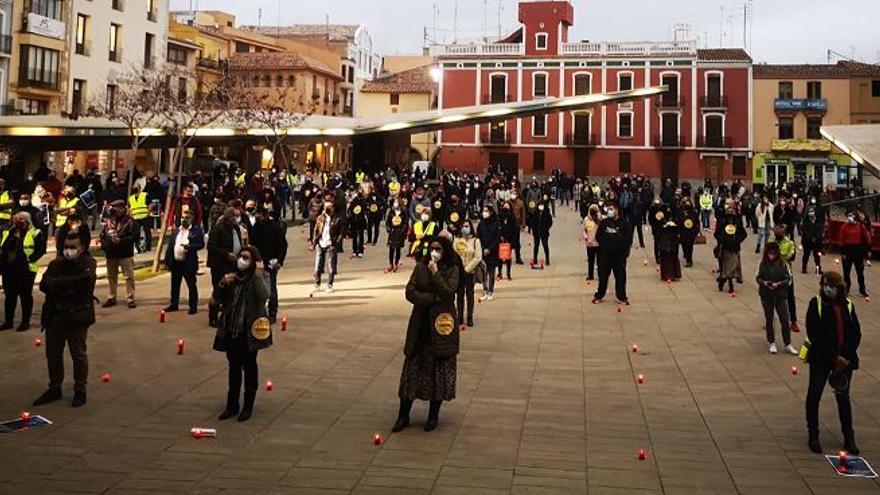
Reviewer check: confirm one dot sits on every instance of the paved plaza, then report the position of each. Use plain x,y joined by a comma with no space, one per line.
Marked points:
547,399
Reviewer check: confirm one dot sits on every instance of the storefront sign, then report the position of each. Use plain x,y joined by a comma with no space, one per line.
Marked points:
800,145
45,26
801,104
776,161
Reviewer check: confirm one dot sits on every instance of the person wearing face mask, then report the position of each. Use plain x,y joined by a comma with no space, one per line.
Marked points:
541,223
182,260
6,205
357,224
489,232
509,233
658,214
457,214
423,228
21,247
668,241
855,246
834,335
118,238
68,312
788,253
243,330
432,336
591,227
396,225
25,205
773,280
518,206
730,234
765,214
374,216
469,249
65,206
328,235
689,220
419,202
268,237
224,244
615,241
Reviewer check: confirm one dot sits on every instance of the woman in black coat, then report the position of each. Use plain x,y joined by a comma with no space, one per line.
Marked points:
396,224
243,329
834,333
668,240
489,232
509,234
432,337
540,224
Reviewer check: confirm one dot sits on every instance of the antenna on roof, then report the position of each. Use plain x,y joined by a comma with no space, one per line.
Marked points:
455,24
500,9
278,27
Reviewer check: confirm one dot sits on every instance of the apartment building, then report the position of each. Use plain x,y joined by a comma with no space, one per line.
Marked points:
38,70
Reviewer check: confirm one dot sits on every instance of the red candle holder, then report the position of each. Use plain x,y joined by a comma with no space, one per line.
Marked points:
643,454
377,439
794,370
270,386
619,309
284,324
635,348
842,457
38,342
105,377
162,315
180,346
24,416
640,378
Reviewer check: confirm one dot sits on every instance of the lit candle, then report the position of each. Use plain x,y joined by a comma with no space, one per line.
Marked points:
643,454
640,378
377,439
284,324
180,344
162,316
105,377
269,386
635,348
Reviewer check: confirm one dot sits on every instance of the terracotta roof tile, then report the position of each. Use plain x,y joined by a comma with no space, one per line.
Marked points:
279,60
723,55
416,80
336,31
840,70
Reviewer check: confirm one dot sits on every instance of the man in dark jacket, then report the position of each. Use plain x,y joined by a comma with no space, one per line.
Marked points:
68,312
540,224
327,237
118,238
812,236
182,260
223,246
615,240
268,236
21,247
855,247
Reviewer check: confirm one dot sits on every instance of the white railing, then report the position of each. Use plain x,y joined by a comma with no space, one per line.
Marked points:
625,48
477,49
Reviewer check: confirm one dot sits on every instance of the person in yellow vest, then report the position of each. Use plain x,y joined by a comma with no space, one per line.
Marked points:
423,230
240,179
21,247
66,203
359,176
6,205
140,213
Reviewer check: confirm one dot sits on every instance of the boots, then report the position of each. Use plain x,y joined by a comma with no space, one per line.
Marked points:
248,409
849,445
402,416
433,415
470,321
232,406
813,443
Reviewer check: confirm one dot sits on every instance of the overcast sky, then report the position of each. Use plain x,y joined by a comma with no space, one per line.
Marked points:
782,31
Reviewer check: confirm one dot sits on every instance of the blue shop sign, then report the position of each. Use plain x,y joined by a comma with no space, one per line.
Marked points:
801,104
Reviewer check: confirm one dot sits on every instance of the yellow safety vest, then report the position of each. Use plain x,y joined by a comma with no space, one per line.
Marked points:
359,177
239,179
5,214
27,247
63,207
706,201
420,232
394,187
137,205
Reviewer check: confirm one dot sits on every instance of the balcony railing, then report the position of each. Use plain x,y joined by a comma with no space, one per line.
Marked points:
672,102
6,44
793,105
713,101
670,141
476,49
45,84
496,138
714,142
634,48
580,140
494,99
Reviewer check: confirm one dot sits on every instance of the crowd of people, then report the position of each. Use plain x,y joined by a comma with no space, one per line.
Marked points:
462,230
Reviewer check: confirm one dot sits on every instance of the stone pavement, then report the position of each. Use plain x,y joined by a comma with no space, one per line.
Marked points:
547,400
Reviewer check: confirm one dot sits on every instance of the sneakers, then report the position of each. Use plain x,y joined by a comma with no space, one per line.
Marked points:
490,296
49,396
791,350
773,349
795,327
329,289
597,300
623,302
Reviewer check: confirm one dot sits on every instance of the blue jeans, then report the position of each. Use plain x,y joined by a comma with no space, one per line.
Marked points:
705,214
328,256
761,241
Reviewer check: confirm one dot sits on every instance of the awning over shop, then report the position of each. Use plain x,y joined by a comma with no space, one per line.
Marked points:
860,142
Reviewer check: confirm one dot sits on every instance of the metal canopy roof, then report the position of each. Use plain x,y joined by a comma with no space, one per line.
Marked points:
53,132
860,142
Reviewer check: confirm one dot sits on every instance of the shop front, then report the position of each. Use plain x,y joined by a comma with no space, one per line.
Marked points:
834,170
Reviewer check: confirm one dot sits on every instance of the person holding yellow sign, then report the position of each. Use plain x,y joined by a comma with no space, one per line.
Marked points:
396,225
730,234
357,224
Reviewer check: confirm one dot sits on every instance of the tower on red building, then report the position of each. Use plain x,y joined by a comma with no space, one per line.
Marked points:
699,129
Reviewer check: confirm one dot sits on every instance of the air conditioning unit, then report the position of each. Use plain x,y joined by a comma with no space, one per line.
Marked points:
20,105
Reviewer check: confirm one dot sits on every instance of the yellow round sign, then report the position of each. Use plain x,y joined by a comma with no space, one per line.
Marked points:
357,210
437,204
308,193
688,224
730,229
444,324
454,217
374,208
419,209
261,329
532,205
460,247
396,221
659,215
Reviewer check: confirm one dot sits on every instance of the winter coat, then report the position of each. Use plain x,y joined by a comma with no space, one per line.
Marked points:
489,232
776,272
822,332
118,237
69,286
269,237
689,222
812,232
614,237
470,251
433,300
509,229
669,238
396,233
220,245
335,230
196,239
316,207
241,303
730,233
541,222
591,227
765,216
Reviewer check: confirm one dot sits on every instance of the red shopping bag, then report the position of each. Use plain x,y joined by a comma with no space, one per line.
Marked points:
504,251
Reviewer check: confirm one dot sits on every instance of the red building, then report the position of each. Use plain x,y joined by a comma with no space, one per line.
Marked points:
699,129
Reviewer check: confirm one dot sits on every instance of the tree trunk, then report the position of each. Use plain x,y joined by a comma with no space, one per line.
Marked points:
169,198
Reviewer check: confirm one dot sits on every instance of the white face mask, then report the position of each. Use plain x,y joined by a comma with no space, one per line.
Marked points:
436,256
71,254
24,203
426,218
541,207
486,214
243,264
